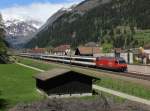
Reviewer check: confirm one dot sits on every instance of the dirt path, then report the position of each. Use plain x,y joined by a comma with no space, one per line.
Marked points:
34,68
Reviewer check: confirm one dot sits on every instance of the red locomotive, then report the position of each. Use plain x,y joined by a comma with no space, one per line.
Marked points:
112,63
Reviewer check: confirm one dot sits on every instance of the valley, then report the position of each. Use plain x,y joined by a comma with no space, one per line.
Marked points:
75,55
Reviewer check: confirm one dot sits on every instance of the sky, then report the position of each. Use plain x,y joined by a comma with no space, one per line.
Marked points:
32,9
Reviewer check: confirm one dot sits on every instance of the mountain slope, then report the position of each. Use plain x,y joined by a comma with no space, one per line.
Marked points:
96,20
19,32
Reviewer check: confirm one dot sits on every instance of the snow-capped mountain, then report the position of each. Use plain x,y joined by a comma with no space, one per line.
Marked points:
18,32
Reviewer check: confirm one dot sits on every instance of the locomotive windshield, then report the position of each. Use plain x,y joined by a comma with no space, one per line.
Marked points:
122,62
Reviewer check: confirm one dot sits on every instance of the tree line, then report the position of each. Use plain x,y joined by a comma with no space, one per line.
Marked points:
3,46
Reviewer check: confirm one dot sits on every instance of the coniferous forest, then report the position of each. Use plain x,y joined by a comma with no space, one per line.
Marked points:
121,23
3,47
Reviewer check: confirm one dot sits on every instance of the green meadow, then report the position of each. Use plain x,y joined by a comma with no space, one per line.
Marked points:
125,87
17,85
35,63
116,84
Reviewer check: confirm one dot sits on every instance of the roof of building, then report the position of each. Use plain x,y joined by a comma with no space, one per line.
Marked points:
89,50
38,50
61,48
56,72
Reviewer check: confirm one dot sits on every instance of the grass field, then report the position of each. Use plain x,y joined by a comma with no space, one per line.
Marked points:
37,64
124,86
108,82
17,84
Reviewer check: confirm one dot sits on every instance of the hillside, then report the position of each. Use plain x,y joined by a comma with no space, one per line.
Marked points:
106,21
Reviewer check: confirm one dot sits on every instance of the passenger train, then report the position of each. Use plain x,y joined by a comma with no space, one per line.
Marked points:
109,63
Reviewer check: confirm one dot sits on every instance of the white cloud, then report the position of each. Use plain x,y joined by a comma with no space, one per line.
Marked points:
36,11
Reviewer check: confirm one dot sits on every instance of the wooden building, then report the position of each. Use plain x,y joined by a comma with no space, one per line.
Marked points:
87,51
60,82
62,50
37,50
118,51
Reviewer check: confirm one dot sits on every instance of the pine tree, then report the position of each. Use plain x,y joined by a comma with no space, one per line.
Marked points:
2,33
3,48
1,27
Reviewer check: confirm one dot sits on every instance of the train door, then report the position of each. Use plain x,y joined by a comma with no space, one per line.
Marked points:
110,64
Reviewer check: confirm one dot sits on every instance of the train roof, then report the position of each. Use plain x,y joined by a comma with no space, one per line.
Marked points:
118,58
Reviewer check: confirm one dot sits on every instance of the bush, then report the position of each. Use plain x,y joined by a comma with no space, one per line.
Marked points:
107,47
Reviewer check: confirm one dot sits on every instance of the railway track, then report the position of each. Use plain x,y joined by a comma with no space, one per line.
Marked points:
138,76
127,74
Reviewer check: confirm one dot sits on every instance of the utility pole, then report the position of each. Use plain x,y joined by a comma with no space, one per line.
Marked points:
70,57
